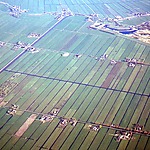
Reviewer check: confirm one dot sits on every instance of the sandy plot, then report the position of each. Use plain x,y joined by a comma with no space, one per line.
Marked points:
3,103
112,75
26,125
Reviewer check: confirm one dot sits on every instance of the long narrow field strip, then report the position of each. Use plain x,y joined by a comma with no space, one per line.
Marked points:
2,103
26,125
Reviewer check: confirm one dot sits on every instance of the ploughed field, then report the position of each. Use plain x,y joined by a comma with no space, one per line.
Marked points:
67,74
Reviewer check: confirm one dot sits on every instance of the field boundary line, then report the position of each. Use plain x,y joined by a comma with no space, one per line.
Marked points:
79,83
34,115
32,44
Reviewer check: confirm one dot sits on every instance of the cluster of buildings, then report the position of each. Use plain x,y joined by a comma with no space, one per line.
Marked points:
92,17
47,118
34,35
139,14
137,127
114,26
104,57
144,26
26,46
123,135
126,133
50,116
2,44
64,13
18,45
16,11
13,109
131,62
143,32
32,49
63,122
23,45
94,127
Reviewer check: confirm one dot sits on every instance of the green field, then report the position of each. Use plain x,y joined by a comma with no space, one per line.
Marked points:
85,88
